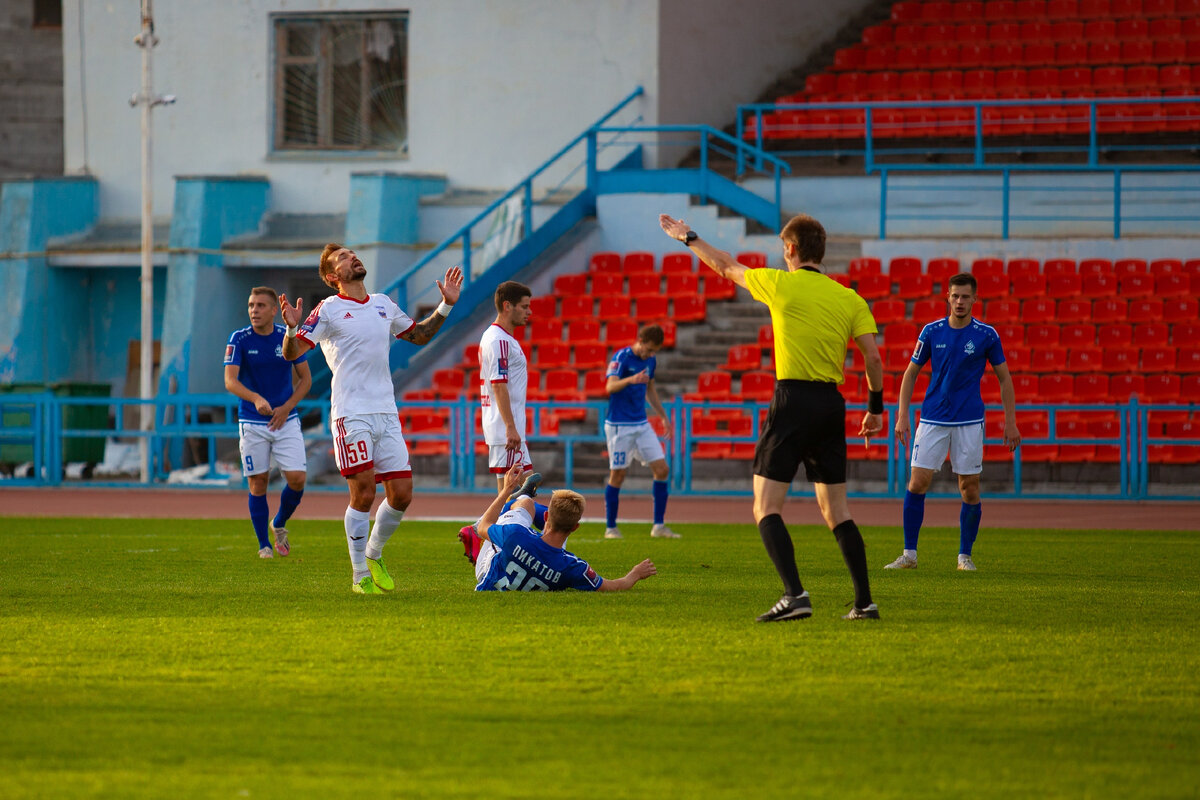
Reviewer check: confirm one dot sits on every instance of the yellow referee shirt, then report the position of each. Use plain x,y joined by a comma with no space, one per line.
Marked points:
813,317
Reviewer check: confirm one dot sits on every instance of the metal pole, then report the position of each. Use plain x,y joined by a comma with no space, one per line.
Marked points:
146,41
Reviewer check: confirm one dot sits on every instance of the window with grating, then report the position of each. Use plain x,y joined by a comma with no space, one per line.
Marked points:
341,81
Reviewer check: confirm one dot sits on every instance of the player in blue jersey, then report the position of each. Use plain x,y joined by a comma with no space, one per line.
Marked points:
268,425
514,557
958,349
630,385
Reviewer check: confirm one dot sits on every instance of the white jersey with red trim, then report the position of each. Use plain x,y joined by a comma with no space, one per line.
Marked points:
356,337
501,360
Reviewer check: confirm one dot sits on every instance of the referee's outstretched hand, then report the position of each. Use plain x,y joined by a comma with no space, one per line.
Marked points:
872,424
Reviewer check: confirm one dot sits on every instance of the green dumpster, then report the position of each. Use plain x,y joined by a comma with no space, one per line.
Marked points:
17,451
88,449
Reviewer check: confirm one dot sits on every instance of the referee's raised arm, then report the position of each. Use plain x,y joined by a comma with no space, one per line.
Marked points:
719,261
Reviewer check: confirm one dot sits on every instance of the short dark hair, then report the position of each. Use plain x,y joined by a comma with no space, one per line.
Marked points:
651,334
265,290
964,279
511,292
807,235
325,266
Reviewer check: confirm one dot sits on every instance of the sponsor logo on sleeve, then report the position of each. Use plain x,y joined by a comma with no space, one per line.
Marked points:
228,354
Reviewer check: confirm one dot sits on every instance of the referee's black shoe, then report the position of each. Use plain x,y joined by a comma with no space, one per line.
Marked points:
528,488
789,607
870,612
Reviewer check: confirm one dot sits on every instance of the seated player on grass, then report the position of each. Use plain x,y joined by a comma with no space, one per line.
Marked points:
514,557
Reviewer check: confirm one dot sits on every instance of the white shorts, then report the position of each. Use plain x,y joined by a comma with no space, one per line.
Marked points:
627,442
259,445
488,551
963,442
370,441
499,459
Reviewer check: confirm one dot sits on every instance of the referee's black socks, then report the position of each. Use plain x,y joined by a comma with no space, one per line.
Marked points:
855,555
779,547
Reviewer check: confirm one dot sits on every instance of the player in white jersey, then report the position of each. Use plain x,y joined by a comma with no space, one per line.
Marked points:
504,381
355,330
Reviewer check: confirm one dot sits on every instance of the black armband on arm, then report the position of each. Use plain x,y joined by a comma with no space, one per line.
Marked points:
875,401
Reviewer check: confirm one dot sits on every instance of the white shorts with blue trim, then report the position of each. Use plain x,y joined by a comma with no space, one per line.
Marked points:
629,442
259,445
964,443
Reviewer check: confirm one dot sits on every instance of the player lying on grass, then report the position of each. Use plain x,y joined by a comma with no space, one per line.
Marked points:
514,557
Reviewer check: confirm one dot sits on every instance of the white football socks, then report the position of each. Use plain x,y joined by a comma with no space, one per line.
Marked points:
357,525
387,519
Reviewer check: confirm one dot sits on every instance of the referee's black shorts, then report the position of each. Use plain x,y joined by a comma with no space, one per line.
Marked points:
806,423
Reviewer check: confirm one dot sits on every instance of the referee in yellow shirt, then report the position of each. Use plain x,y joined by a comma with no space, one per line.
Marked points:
813,318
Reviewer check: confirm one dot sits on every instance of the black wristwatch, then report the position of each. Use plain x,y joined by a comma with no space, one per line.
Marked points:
689,237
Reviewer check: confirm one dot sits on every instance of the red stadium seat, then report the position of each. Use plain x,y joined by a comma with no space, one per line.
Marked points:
1145,310
1090,387
1108,309
638,262
1118,335
900,333
1064,286
987,266
683,284
888,311
545,331
1078,336
874,287
1118,359
1173,285
1130,266
1042,334
1122,387
1095,266
563,384
470,357
583,331
715,385
865,265
1001,311
1027,286
1160,358
928,310
651,308
613,308
589,356
940,269
717,287
1086,359
914,287
1187,360
1150,334
689,309
1055,388
605,262
1162,388
449,383
904,267
1102,285
758,386
607,284
571,284
1047,359
743,357
1068,311
1166,266
1136,286
1183,309
1010,333
594,383
645,284
1185,333
1062,9
552,354
676,263
620,333
754,260
1037,310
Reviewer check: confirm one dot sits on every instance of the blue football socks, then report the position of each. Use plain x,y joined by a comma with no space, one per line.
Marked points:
258,517
612,500
288,500
914,515
968,526
660,502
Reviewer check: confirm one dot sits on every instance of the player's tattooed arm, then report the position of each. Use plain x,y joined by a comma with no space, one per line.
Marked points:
451,288
420,333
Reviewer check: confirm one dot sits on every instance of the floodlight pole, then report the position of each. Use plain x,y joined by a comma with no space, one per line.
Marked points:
146,40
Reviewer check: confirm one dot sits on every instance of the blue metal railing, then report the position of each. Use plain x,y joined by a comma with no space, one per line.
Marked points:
209,421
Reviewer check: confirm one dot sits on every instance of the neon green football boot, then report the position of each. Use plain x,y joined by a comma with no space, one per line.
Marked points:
365,586
379,572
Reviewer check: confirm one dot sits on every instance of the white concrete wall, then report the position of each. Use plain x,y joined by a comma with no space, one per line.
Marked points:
496,86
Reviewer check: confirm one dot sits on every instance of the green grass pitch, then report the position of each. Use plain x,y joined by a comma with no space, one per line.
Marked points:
163,659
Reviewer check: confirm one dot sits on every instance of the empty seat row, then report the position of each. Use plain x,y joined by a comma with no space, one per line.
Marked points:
902,266
969,10
1033,30
636,285
1069,53
672,263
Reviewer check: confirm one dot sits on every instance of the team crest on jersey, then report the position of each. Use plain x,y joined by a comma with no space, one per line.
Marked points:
228,353
970,348
918,348
382,313
279,351
591,574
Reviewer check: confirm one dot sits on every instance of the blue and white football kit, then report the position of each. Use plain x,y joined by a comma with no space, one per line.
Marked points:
628,432
952,413
515,558
263,369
